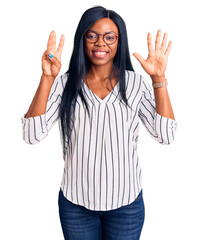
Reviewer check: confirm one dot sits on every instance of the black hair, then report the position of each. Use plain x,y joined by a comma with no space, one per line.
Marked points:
79,65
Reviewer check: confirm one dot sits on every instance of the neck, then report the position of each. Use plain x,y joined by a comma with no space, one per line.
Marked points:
99,72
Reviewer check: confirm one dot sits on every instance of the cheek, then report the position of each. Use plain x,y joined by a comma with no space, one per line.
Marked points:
114,50
86,50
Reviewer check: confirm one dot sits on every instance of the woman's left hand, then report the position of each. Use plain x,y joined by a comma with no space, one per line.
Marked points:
156,63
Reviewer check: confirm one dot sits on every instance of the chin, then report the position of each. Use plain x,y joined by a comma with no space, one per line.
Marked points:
100,61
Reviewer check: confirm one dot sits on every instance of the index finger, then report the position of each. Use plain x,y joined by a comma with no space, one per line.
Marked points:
51,41
61,44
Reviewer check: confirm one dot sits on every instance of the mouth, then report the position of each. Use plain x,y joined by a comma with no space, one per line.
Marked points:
100,54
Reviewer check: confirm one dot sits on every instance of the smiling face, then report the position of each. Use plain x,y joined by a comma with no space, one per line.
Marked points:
95,51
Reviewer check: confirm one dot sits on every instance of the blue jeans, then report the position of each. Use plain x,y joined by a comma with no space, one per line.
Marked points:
80,223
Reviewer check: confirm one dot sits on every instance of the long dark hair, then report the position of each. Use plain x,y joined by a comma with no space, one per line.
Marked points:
80,64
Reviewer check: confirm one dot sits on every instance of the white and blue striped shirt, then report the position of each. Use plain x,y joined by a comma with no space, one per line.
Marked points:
101,167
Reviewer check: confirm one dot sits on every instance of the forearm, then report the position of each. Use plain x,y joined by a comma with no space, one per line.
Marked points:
38,105
163,104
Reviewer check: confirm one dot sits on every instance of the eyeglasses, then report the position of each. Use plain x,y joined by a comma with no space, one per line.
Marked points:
109,37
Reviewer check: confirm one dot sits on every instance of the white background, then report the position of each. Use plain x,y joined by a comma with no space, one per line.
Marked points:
30,175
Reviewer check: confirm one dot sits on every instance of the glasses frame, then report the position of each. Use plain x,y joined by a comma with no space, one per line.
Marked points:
98,35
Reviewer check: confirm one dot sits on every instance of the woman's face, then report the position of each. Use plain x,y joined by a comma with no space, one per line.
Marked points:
92,50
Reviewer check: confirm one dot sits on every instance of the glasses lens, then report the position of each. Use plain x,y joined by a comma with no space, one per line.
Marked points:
91,37
110,38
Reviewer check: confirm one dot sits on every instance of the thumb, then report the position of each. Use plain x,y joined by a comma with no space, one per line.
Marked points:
55,61
139,58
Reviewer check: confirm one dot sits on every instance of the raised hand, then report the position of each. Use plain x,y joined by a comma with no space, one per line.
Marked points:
156,63
52,66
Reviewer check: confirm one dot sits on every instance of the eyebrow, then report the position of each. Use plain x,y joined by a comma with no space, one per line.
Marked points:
104,33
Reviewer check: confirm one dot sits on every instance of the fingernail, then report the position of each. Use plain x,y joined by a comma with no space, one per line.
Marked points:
50,55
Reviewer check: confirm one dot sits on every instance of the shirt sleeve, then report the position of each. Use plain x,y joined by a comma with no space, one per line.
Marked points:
161,128
34,129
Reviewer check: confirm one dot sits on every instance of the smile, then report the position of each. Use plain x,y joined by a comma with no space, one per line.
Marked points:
99,54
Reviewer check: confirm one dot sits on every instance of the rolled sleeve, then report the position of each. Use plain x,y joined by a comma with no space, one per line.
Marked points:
165,129
161,128
34,129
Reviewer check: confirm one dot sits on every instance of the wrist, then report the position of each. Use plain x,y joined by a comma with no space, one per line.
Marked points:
47,79
160,84
158,78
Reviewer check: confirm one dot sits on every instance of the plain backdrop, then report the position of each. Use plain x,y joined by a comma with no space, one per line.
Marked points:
30,175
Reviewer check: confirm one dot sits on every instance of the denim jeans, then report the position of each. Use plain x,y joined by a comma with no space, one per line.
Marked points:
80,223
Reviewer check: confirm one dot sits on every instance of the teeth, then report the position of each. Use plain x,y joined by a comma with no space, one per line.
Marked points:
100,53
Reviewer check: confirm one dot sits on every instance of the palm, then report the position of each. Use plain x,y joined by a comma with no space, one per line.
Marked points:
156,63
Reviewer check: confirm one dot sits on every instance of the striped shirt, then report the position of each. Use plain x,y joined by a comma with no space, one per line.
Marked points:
101,167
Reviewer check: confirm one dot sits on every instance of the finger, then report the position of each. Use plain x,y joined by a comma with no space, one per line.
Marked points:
139,58
61,44
168,49
48,55
150,45
55,61
44,57
163,45
157,41
51,45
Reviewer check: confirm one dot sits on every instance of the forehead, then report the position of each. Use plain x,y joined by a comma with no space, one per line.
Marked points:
104,25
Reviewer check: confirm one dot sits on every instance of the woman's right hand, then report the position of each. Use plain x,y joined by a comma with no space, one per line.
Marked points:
52,67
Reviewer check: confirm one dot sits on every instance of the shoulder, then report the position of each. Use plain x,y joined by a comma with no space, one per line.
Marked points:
61,80
133,74
134,78
59,84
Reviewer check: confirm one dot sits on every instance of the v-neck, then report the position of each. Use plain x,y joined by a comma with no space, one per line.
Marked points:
104,99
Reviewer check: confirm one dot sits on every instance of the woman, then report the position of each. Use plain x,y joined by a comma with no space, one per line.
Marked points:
99,102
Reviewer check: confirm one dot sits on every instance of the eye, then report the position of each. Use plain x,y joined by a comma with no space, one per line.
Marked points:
110,37
91,36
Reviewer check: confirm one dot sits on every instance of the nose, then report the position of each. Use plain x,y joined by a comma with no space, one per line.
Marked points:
100,40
